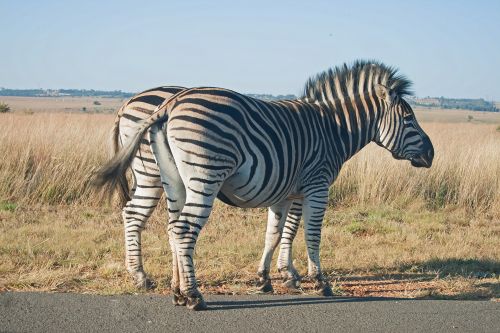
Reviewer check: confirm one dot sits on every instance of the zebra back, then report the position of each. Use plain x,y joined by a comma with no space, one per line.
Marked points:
134,110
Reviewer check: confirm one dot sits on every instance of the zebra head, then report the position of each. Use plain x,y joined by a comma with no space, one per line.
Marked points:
399,132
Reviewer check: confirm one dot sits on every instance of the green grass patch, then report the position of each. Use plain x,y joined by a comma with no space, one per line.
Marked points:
8,206
356,228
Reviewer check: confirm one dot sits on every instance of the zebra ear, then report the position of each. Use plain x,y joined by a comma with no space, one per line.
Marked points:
383,92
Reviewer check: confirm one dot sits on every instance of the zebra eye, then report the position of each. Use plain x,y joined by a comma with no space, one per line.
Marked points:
407,118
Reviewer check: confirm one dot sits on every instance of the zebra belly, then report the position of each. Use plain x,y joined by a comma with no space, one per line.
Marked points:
227,195
246,191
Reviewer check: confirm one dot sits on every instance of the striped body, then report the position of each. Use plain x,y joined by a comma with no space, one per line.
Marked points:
147,188
213,142
251,163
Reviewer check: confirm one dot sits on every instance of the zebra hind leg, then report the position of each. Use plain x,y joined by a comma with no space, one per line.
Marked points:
275,221
175,204
178,298
291,277
184,233
135,215
176,197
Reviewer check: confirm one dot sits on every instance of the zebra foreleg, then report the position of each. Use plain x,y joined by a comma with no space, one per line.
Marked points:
314,211
135,215
275,222
291,278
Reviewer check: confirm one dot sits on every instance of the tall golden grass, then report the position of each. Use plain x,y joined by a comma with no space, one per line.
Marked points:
389,218
48,158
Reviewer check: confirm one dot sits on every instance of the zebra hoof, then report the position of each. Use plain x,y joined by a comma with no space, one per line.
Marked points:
265,287
178,299
146,284
292,284
196,303
324,289
142,282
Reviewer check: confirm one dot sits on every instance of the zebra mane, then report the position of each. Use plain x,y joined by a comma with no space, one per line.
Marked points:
335,82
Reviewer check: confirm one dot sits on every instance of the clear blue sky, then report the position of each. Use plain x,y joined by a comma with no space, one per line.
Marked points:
448,48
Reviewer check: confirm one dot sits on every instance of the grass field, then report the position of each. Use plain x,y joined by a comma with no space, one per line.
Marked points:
30,105
390,229
434,115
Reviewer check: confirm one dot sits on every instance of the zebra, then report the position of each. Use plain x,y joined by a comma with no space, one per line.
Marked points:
140,202
216,143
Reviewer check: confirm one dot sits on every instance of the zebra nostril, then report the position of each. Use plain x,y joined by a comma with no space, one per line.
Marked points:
430,153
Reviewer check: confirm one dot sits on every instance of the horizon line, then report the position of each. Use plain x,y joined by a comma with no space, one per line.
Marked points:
244,93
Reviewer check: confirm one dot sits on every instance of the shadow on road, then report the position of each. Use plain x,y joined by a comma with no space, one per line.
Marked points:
479,268
429,280
432,269
252,304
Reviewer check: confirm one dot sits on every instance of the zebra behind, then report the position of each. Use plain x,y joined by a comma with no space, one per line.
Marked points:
140,202
212,142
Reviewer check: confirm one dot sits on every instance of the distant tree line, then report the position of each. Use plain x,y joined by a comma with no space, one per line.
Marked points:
478,104
269,97
102,93
64,92
439,102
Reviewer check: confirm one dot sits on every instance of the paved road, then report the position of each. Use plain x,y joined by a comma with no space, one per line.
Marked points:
41,312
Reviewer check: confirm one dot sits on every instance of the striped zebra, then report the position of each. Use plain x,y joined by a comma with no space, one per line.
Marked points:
147,190
213,142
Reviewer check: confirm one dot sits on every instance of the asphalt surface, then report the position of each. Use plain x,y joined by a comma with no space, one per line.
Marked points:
45,312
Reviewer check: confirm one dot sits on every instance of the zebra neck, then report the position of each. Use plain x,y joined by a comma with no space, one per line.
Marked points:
355,119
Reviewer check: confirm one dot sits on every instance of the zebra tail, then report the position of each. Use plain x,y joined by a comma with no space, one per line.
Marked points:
108,176
123,186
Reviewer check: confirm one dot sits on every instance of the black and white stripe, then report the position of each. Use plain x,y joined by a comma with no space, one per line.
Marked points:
142,199
212,142
147,188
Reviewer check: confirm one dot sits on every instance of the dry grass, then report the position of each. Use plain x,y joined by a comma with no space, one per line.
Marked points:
404,253
394,229
49,157
454,116
29,105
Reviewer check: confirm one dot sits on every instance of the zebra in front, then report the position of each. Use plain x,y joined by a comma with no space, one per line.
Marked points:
140,201
212,142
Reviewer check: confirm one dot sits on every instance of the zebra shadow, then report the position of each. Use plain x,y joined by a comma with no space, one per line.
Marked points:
287,301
